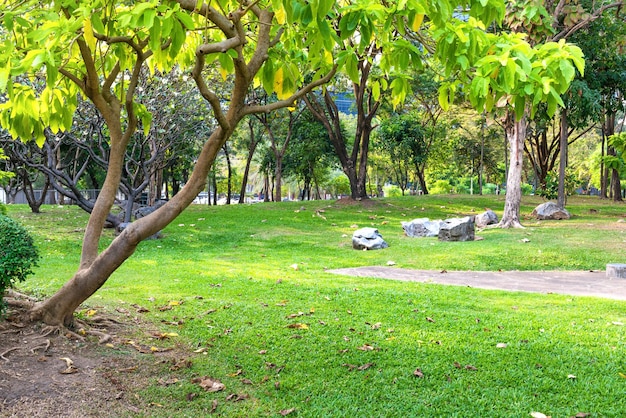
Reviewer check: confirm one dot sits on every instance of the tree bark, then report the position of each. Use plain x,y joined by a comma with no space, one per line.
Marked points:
563,160
254,141
516,133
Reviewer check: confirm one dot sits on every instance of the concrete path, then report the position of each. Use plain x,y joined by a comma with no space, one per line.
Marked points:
580,283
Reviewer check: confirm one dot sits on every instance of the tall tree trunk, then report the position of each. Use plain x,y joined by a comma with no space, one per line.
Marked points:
278,178
516,133
563,160
229,174
419,170
251,149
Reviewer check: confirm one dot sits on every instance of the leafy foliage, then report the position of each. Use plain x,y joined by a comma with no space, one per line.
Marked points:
4,175
551,189
18,254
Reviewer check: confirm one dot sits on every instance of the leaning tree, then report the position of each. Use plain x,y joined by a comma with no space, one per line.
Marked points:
100,49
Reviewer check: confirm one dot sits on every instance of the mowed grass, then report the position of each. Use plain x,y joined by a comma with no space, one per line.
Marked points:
245,290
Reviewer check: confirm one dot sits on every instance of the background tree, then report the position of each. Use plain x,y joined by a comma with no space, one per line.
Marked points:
512,75
310,156
279,127
402,138
248,140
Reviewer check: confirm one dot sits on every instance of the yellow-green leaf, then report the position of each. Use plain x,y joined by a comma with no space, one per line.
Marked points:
417,22
88,34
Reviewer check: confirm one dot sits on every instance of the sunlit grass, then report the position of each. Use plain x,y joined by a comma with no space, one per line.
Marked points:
245,274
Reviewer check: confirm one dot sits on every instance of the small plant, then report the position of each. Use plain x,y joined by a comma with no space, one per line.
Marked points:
18,255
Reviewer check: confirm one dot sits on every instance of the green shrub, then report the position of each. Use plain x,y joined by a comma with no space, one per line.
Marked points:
392,191
18,255
489,188
441,187
3,209
527,189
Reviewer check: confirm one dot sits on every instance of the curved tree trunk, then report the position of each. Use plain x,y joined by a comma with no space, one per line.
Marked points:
59,309
516,133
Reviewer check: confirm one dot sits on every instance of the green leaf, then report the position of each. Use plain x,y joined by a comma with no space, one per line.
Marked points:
352,68
185,19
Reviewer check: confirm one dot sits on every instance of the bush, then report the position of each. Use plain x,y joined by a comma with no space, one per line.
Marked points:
527,189
440,187
18,254
392,191
489,188
3,209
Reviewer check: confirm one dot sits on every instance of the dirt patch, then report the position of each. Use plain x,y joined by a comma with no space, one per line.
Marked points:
59,375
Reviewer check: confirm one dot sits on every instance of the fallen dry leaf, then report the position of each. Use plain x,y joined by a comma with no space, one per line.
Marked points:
209,384
213,406
470,367
365,347
429,319
571,376
237,373
418,373
377,325
501,345
298,326
457,365
70,369
538,415
246,381
191,396
286,412
581,415
365,366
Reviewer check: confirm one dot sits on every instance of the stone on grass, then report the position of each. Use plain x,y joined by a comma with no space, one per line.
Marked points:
457,229
550,210
125,225
368,239
616,271
486,218
422,227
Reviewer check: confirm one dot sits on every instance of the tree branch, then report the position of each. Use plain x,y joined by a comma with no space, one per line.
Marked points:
292,99
595,15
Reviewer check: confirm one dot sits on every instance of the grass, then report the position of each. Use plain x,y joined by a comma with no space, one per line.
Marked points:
339,346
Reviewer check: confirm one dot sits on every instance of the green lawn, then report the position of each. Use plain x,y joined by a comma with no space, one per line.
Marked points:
284,337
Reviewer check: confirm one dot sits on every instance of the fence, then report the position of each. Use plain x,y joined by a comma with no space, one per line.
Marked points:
53,197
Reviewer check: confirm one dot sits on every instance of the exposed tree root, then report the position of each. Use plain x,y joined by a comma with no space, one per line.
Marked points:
19,303
7,352
60,330
17,295
45,347
103,320
510,224
103,336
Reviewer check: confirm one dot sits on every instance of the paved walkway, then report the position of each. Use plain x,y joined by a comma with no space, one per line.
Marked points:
580,283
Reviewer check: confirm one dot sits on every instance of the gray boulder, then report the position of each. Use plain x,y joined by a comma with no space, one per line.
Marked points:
486,218
422,227
550,210
368,239
457,229
124,225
